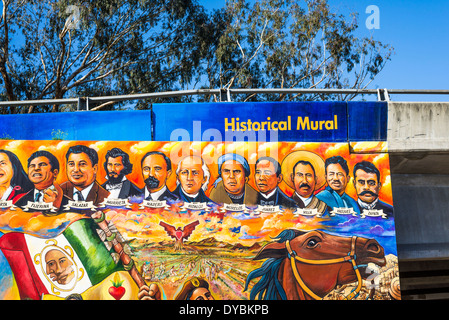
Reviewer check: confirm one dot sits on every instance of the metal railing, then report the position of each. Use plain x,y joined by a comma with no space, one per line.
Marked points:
223,94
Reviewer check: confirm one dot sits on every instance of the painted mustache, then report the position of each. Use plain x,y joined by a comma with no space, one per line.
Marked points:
304,185
151,182
367,192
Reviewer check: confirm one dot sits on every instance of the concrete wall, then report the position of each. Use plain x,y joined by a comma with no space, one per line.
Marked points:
418,127
418,141
421,215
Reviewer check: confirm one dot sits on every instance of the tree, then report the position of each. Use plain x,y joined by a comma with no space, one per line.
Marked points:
293,44
56,49
53,50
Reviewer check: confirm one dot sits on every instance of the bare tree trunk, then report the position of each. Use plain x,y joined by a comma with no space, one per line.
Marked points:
7,81
3,58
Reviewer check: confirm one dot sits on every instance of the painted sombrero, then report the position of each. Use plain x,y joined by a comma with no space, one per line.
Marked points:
291,159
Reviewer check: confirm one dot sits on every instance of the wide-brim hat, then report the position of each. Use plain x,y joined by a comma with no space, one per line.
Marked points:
317,162
191,285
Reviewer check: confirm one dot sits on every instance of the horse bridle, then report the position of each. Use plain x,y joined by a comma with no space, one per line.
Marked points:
349,258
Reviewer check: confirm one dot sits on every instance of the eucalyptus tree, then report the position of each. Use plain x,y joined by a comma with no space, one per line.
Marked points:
58,49
293,44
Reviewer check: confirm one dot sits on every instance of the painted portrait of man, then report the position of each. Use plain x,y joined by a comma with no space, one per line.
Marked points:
82,167
268,175
232,186
305,172
118,166
43,169
193,179
337,178
367,184
156,169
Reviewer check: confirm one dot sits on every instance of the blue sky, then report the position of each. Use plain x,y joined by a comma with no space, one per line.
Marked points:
419,32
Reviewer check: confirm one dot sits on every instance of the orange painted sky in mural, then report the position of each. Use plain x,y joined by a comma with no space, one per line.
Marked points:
137,223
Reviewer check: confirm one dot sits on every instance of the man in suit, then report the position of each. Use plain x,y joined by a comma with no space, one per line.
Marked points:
118,166
43,168
367,184
82,167
193,179
268,175
156,169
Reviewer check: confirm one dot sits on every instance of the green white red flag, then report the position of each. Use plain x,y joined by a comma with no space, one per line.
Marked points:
69,263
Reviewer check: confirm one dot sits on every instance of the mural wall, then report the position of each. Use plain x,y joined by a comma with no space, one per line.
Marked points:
190,220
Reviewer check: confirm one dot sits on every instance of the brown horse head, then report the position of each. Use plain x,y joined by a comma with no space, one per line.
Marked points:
321,266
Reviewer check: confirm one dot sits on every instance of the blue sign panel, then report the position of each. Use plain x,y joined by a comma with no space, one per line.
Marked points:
82,125
281,121
367,121
226,121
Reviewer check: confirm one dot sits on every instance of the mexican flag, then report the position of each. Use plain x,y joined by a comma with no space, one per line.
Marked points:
70,263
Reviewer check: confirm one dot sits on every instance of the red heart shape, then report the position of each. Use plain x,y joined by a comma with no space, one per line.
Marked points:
117,292
178,234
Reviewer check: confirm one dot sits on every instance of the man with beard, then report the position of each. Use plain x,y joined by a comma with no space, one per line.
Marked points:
367,184
156,168
118,166
337,177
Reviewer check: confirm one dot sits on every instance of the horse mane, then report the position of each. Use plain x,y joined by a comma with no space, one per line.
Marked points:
269,287
288,234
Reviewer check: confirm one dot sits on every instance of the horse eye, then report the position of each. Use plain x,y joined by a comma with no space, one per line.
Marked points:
313,242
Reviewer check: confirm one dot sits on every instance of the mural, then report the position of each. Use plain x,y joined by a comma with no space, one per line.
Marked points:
105,220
